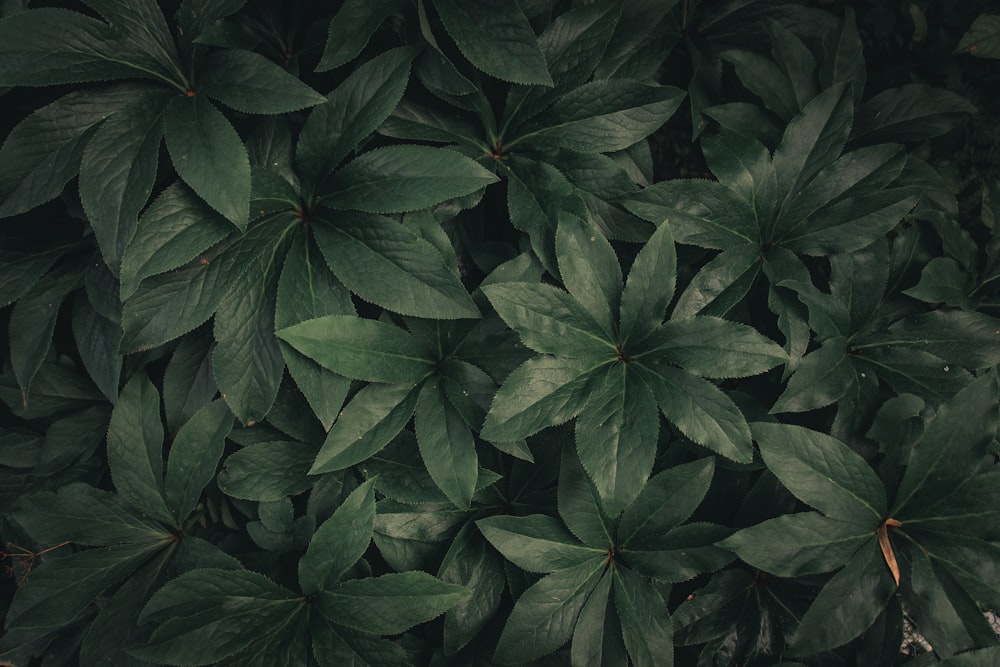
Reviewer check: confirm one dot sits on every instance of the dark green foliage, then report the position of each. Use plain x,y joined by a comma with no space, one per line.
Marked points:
433,332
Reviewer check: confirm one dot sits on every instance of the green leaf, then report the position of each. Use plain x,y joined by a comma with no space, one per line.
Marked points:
699,212
943,280
544,391
42,153
446,445
720,284
646,625
535,194
793,545
47,47
135,449
668,500
764,77
194,456
823,472
206,615
952,447
702,411
713,347
982,38
589,269
537,543
964,337
359,348
353,110
307,290
209,156
604,116
814,138
339,542
913,112
175,228
351,28
251,83
847,605
374,416
597,634
685,552
822,378
496,37
188,385
649,288
61,589
84,515
580,505
545,615
267,471
395,179
980,658
390,604
616,436
472,563
145,40
117,171
549,320
389,264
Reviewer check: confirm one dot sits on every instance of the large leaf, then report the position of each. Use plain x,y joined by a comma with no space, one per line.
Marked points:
793,545
964,337
713,347
580,505
359,348
847,605
545,391
62,588
46,47
42,153
616,436
267,471
209,156
135,449
597,635
351,28
646,625
389,604
823,377
352,111
194,456
117,172
537,543
339,541
395,179
649,288
909,113
589,269
472,563
251,83
545,615
668,500
549,320
374,416
496,37
702,411
952,447
446,444
823,472
390,265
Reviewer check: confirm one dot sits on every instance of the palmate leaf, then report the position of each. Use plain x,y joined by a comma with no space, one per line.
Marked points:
537,543
646,625
666,501
597,636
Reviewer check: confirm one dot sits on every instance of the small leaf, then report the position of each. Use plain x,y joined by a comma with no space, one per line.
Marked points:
135,449
251,83
537,543
545,615
390,604
339,541
823,472
496,37
395,179
983,37
360,348
209,156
